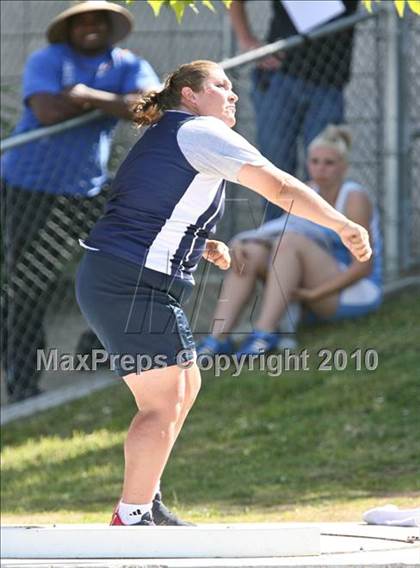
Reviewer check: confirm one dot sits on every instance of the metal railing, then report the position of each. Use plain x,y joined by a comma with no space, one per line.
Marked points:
234,62
297,40
24,138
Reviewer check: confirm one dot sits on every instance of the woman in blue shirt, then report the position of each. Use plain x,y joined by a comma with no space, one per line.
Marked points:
141,255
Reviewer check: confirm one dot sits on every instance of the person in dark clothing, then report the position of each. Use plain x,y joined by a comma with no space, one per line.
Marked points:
296,93
52,187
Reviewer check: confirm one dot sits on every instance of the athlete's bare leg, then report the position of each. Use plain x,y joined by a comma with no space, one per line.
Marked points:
163,397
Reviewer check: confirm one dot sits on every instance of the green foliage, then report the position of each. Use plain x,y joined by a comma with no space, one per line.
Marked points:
400,5
254,448
179,6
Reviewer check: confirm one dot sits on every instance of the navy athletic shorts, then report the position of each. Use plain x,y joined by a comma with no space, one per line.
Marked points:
135,312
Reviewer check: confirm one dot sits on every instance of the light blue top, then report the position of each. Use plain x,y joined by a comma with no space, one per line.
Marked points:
73,162
327,238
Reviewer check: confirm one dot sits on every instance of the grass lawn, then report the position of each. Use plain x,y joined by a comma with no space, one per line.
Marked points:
304,446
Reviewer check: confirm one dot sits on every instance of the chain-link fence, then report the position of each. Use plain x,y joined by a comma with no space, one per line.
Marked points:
343,84
410,162
342,76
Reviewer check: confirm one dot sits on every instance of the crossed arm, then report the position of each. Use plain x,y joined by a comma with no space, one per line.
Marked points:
77,100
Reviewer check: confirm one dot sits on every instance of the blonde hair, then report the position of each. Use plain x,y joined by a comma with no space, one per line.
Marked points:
151,106
337,137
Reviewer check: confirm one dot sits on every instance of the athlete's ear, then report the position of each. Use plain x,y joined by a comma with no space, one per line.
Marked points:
188,94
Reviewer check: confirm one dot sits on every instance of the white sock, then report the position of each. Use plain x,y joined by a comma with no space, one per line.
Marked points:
131,513
157,490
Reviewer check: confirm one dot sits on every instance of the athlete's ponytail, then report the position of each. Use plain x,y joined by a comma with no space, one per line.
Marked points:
149,109
153,104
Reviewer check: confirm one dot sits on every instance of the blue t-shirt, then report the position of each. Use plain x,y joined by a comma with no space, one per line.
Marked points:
73,162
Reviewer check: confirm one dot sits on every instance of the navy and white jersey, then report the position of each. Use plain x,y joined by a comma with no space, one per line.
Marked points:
169,193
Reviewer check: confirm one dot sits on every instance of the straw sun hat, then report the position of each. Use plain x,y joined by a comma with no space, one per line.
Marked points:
121,20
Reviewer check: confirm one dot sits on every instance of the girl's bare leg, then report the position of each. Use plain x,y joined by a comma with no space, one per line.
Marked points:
297,262
237,289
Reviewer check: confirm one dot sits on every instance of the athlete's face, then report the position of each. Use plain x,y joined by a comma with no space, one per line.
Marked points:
326,167
215,98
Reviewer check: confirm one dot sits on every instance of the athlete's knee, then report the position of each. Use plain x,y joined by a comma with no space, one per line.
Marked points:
164,413
171,404
163,407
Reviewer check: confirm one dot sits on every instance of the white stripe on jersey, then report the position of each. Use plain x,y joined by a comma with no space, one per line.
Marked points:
196,200
209,220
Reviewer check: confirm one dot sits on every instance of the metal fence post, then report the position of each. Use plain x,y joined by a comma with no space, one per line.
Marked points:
406,197
392,136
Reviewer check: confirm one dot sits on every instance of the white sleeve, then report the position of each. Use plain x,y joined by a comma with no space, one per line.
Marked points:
212,148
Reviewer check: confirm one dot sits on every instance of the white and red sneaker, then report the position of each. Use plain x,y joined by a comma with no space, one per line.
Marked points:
161,515
146,520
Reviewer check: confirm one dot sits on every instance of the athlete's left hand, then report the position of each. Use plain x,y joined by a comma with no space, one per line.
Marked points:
217,253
